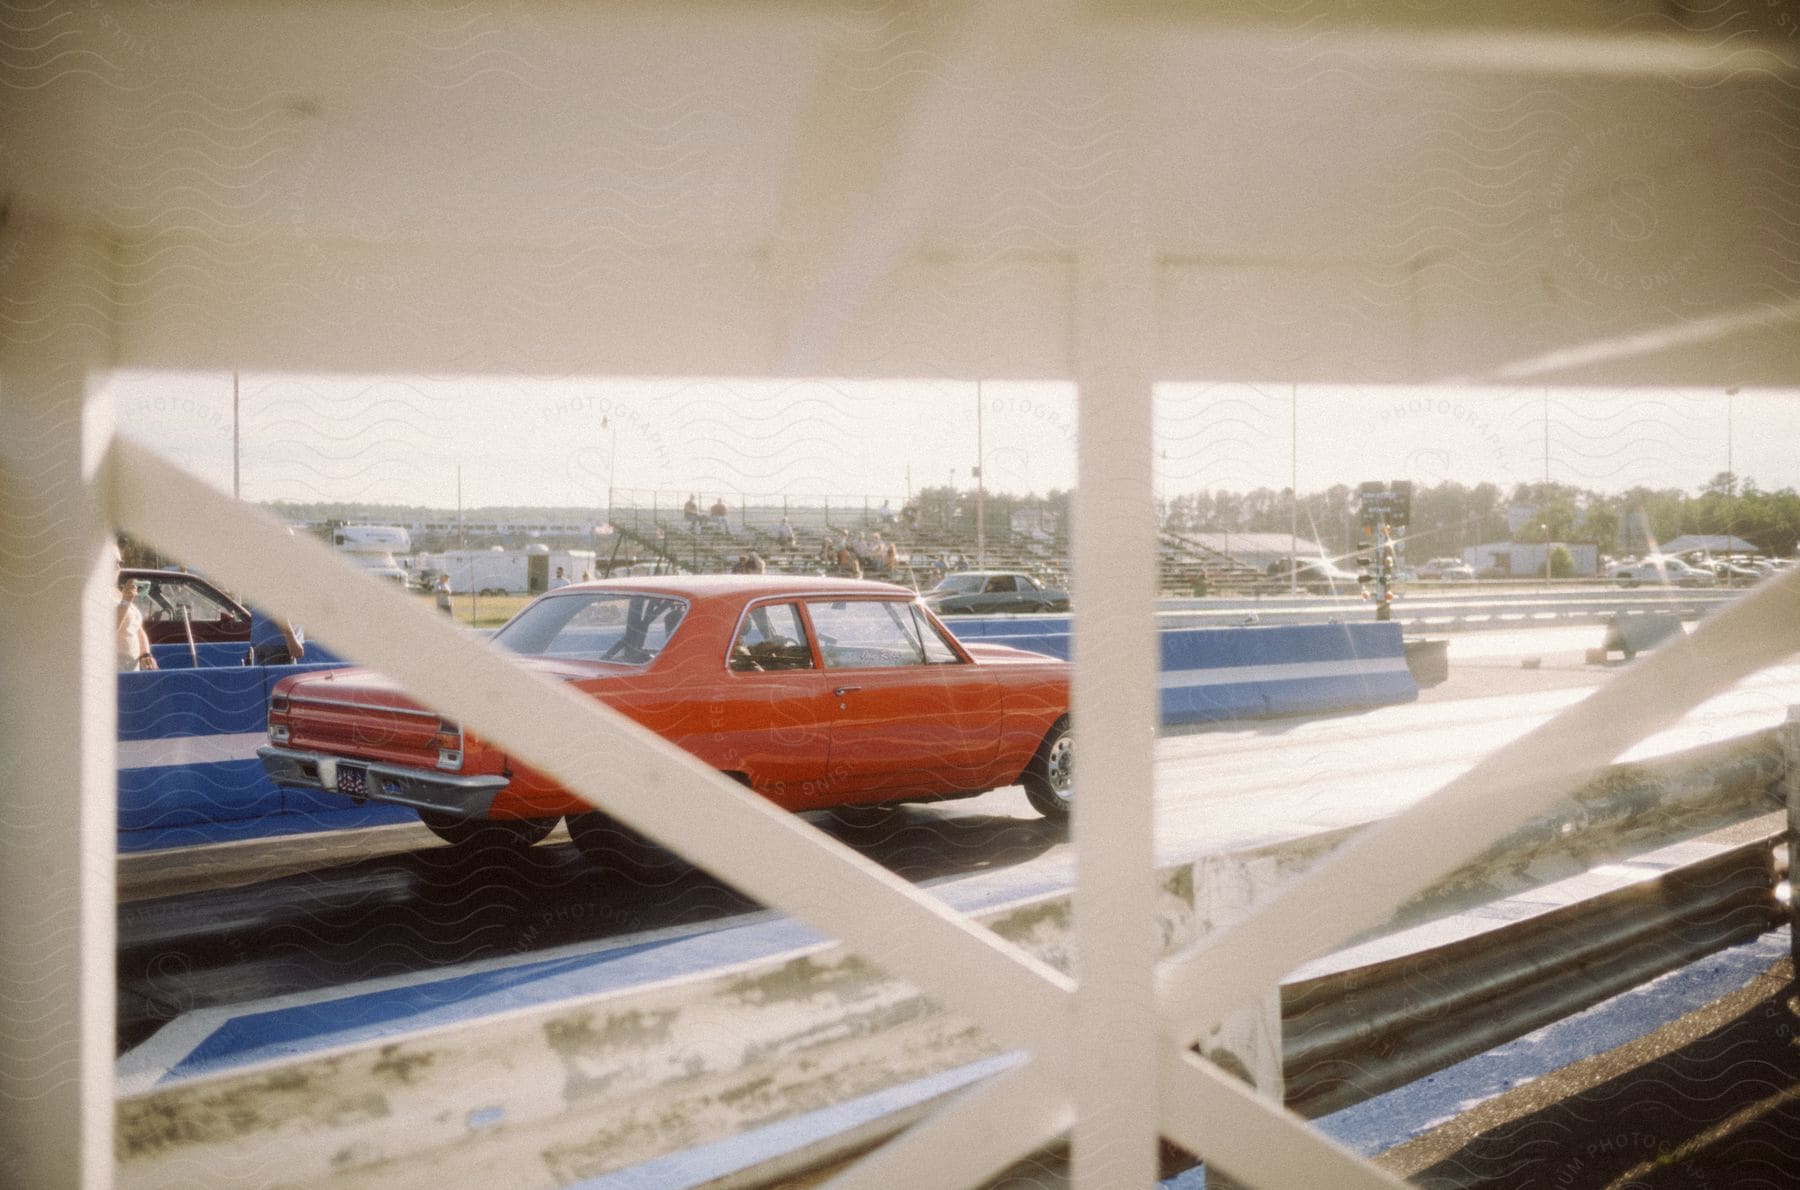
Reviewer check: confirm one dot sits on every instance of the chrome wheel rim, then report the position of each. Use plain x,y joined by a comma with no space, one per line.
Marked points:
1059,767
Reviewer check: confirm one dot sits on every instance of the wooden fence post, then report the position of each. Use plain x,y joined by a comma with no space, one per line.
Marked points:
1246,1044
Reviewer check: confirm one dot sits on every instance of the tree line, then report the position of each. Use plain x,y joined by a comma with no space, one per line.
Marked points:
1449,516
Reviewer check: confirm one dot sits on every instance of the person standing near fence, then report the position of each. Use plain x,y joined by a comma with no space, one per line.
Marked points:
132,642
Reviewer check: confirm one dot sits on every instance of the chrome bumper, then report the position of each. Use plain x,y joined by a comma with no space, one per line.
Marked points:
360,781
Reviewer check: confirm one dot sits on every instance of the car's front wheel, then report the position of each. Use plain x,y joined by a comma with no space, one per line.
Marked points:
610,844
1049,779
471,834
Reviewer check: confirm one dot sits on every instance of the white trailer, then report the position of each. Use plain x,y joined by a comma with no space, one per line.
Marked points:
373,547
500,571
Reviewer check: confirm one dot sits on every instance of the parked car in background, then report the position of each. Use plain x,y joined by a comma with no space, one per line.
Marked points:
1447,570
1738,571
187,619
981,592
814,692
1320,576
1660,570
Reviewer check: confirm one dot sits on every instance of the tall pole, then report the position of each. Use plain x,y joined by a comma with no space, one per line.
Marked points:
1293,487
236,490
1730,476
462,541
980,489
612,468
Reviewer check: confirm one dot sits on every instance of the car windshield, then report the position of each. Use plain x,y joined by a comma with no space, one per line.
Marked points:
960,584
624,627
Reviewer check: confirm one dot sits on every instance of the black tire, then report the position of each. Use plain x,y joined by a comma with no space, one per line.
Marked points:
473,834
1049,779
610,844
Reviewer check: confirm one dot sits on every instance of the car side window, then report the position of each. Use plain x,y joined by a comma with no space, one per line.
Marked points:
1000,583
167,599
867,633
772,637
937,649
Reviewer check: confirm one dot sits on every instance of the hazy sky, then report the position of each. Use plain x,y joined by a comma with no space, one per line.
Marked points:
562,442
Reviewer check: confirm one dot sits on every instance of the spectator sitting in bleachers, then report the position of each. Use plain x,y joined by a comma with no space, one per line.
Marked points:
784,534
847,565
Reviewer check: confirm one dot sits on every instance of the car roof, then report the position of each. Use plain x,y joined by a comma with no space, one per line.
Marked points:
752,586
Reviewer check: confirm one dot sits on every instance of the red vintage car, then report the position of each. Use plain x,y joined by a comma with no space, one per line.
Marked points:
814,692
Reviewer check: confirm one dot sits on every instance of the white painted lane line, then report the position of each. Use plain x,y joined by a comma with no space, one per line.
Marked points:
190,749
1293,671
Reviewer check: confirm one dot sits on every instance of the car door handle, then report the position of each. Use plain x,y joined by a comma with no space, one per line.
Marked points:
843,690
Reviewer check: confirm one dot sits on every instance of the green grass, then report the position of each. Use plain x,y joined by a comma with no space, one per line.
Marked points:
483,611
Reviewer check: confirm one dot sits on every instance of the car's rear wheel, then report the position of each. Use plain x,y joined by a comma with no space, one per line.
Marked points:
612,845
470,834
1049,779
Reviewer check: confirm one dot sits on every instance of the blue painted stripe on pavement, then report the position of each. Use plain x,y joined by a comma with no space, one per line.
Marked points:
295,1030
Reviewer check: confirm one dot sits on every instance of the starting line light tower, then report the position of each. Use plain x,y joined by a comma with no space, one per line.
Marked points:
1385,511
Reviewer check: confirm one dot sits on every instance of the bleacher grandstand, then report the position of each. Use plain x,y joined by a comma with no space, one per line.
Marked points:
656,534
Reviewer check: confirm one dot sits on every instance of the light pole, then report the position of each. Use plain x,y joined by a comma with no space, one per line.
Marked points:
980,489
1545,530
1293,488
612,465
1730,477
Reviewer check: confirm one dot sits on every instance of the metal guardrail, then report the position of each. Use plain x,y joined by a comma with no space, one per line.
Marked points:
1352,1035
646,1071
1441,612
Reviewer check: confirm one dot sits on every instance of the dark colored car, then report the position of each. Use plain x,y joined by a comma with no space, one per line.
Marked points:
816,693
980,592
181,608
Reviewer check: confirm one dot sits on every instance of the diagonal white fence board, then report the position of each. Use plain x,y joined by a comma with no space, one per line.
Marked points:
972,1139
1253,1139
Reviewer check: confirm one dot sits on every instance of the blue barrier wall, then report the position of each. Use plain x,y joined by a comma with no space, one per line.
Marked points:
1211,674
188,771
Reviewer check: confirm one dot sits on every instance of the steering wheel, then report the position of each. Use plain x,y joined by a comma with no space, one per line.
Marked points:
776,652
